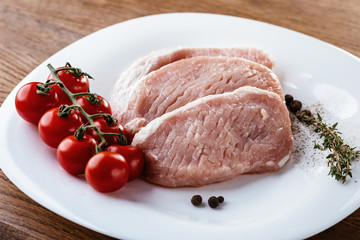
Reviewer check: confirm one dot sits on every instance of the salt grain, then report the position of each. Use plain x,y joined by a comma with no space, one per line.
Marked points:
313,161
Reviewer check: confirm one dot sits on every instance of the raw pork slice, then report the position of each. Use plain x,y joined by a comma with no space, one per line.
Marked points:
158,59
181,82
216,138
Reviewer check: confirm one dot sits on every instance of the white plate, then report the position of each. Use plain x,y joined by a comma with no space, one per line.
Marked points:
290,204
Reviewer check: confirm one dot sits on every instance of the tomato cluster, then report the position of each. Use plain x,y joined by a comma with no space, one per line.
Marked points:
80,126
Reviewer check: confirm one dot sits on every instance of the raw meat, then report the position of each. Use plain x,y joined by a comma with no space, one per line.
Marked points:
181,82
158,59
216,138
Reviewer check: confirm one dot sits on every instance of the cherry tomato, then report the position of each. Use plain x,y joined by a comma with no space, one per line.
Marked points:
31,105
53,129
107,171
74,84
100,107
104,127
74,154
133,156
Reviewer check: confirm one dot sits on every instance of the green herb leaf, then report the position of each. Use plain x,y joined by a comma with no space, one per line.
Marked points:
341,155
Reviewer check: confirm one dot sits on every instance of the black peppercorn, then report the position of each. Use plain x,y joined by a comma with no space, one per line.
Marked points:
213,202
288,99
220,199
196,200
295,106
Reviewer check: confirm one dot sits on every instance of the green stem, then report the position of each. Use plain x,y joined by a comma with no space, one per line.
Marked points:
76,104
82,94
99,115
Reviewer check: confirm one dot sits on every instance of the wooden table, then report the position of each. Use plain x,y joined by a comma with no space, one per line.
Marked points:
31,31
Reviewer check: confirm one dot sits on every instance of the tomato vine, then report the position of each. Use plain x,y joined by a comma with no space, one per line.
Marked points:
65,109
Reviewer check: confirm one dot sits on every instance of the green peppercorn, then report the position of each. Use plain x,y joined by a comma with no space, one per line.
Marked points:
213,202
220,199
295,106
288,99
196,200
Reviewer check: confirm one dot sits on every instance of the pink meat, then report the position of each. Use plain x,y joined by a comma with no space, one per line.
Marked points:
181,82
216,138
158,59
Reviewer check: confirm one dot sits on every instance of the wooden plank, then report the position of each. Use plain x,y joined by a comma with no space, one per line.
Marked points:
31,31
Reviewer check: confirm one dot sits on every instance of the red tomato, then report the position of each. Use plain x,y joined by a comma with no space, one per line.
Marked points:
53,129
75,84
31,105
107,172
101,107
102,125
133,156
74,154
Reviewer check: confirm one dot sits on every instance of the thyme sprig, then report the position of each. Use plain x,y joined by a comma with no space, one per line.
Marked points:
341,155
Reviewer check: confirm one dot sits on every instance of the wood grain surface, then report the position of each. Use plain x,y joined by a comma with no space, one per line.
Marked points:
33,30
